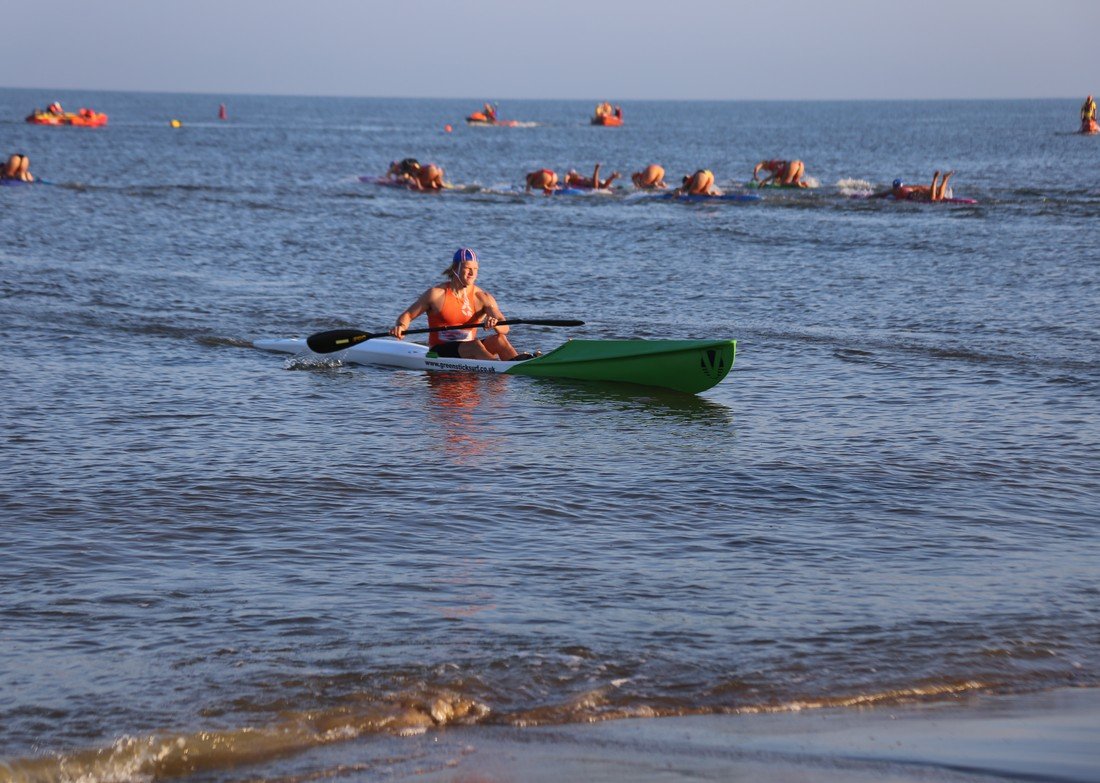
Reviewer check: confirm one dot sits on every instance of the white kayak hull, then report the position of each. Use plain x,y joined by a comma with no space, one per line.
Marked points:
389,352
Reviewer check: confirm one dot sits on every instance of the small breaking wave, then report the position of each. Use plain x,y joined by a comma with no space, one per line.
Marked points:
160,756
855,187
139,759
312,361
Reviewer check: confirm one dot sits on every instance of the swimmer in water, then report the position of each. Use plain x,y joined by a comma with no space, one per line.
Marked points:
575,180
701,183
937,191
652,177
544,180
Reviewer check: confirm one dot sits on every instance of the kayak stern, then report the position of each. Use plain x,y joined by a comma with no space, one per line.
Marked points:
689,366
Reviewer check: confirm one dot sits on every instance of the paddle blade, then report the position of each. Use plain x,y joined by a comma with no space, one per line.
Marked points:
336,340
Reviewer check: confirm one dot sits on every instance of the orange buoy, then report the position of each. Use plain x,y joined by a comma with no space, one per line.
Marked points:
447,128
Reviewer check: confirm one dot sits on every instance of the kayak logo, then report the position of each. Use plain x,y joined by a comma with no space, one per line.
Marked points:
436,364
712,363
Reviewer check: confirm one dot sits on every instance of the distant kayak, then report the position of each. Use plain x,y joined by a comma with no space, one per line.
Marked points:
388,182
868,196
479,118
776,185
583,192
689,366
700,197
85,118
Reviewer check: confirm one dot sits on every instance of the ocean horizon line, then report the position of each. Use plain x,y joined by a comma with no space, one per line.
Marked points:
482,98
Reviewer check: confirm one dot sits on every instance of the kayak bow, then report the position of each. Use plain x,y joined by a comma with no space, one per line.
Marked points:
689,366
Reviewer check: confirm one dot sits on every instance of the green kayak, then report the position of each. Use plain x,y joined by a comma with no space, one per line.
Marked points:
684,365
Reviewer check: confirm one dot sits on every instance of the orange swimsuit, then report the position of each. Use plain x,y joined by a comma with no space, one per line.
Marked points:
454,312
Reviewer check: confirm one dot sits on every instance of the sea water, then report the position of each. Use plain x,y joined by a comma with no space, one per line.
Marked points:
213,556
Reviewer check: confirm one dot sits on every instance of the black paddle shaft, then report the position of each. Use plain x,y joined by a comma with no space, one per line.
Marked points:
339,339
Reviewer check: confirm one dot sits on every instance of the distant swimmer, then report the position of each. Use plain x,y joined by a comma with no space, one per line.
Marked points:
783,172
17,167
701,183
575,180
429,177
1088,116
1088,110
402,169
606,114
544,180
935,192
417,176
652,177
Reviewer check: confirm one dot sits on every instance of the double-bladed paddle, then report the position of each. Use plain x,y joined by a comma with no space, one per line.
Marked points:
339,339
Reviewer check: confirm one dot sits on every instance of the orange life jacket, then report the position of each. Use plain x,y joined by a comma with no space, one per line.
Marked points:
453,313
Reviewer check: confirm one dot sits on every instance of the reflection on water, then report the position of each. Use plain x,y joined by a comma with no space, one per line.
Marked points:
460,409
465,589
647,400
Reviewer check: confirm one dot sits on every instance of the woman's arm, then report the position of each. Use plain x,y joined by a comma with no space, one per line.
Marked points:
411,313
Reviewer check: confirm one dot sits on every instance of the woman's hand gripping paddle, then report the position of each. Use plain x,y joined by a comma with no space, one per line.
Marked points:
339,339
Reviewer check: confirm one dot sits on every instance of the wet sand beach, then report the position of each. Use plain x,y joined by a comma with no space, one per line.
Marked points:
1042,737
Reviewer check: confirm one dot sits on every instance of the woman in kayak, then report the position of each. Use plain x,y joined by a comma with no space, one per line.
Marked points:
783,172
17,167
575,180
458,302
652,177
544,180
935,192
701,183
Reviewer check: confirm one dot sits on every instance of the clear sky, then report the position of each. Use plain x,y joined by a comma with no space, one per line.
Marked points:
507,49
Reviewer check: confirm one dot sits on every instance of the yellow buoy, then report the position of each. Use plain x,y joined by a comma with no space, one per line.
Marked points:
176,124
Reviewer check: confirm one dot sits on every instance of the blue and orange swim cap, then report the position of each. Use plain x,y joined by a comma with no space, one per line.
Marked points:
462,255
